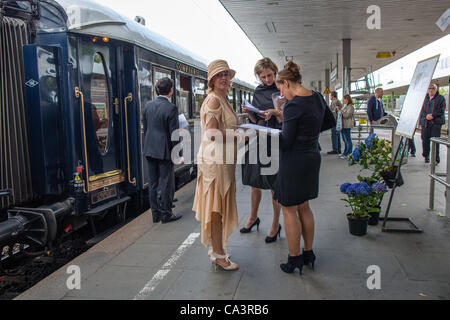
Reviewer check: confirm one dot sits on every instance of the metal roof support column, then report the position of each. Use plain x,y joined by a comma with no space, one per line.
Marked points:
346,56
320,86
327,84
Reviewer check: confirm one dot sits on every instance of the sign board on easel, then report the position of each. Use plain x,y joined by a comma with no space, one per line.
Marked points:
416,94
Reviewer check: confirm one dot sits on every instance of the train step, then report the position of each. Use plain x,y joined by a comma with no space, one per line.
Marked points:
98,210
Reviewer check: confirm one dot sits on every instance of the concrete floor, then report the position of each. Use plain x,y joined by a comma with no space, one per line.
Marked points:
158,257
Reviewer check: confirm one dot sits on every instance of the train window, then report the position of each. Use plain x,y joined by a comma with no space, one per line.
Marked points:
183,94
231,98
200,94
145,82
100,101
159,73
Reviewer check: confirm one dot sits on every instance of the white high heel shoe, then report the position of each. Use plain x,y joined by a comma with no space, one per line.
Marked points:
210,250
231,267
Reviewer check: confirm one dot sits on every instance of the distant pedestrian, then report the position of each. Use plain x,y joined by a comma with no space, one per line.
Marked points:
432,117
375,106
160,120
335,134
348,122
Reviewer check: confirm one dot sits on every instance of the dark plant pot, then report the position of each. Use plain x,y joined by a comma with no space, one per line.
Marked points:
357,226
389,177
374,218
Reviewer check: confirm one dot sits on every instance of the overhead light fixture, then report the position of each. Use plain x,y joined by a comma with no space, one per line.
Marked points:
271,27
383,54
284,42
308,25
274,3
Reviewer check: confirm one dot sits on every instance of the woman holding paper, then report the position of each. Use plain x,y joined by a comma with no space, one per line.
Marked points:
298,176
215,194
266,71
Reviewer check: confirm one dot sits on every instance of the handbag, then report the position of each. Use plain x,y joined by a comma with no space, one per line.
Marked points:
339,121
328,121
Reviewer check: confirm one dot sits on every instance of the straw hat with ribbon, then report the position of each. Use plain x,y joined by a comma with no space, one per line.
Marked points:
216,67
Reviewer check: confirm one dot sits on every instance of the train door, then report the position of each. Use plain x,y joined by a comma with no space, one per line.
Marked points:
101,125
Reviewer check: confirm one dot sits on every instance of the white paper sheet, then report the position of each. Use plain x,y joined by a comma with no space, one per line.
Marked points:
260,128
251,107
182,121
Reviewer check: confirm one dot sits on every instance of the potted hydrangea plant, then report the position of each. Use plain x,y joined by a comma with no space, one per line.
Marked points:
363,201
374,154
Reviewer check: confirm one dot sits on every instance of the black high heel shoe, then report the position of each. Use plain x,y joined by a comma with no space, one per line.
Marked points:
245,230
274,238
309,257
292,263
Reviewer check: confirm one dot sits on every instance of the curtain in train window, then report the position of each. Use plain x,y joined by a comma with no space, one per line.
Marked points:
183,88
200,94
145,82
231,98
100,102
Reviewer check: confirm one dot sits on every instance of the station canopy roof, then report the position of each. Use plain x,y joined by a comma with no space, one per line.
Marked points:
311,31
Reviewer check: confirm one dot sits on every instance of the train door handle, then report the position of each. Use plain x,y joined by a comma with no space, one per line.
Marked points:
128,98
79,94
116,105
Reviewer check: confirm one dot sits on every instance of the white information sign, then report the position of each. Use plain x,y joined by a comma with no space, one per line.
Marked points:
416,94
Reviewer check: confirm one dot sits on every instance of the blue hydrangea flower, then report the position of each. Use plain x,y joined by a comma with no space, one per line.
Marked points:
369,140
356,154
363,188
379,187
351,189
344,187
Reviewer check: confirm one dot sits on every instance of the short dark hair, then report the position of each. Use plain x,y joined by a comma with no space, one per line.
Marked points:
333,94
163,86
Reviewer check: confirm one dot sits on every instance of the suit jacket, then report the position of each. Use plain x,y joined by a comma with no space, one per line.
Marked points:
373,112
334,104
160,119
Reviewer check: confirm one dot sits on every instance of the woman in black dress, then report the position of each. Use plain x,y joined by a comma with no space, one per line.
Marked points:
266,70
298,176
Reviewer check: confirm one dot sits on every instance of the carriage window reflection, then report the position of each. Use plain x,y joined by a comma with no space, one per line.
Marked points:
100,102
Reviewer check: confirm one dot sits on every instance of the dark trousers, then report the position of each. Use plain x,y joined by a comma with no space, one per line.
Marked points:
336,140
412,146
347,137
161,173
428,132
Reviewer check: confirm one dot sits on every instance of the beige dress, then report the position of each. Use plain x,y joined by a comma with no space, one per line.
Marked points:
216,185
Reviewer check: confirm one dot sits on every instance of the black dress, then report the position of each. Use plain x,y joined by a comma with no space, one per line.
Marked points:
298,175
251,173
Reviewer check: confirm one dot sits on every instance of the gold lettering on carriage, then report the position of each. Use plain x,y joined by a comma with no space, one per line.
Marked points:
187,69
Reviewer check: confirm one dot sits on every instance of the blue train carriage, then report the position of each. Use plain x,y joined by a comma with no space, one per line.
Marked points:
77,78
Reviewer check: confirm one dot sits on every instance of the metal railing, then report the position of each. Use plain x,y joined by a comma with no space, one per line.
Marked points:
434,176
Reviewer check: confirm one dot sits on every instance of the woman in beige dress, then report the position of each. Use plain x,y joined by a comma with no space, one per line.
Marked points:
215,194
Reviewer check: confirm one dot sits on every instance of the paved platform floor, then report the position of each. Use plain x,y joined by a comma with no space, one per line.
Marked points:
143,260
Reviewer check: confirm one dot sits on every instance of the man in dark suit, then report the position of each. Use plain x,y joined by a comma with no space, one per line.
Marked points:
160,119
375,107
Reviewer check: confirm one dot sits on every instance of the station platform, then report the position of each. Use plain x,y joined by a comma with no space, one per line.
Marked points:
150,261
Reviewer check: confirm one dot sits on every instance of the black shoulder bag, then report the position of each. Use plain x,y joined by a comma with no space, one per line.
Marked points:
328,119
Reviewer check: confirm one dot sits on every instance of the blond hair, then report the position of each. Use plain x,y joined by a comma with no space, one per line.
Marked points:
263,64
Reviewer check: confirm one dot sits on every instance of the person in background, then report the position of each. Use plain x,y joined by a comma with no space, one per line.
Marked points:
298,175
335,135
161,116
266,70
348,120
432,117
375,107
